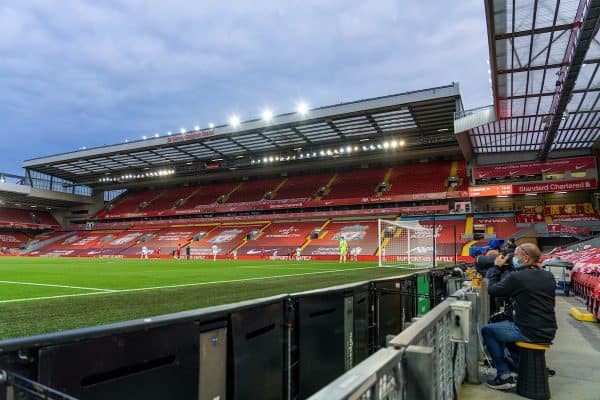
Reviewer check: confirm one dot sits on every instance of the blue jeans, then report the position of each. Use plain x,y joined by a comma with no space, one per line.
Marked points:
499,337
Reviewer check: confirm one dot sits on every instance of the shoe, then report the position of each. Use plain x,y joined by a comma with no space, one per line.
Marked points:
502,384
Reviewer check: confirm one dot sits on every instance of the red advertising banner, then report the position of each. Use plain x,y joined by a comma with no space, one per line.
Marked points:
564,186
490,190
534,167
540,187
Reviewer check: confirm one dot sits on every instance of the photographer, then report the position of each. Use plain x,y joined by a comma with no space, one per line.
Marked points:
533,295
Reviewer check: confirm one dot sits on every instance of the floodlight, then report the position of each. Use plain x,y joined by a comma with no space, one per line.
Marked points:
197,127
386,145
211,125
156,135
182,130
322,153
402,142
302,108
234,121
348,149
143,137
394,144
270,159
267,115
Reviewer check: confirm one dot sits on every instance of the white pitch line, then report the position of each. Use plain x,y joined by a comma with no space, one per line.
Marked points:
181,285
60,286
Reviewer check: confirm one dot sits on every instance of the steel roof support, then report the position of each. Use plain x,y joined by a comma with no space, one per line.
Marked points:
588,31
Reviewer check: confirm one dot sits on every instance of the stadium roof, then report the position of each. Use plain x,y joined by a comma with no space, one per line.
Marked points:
544,59
419,118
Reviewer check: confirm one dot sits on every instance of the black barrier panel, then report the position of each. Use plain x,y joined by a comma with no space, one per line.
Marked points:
258,352
320,340
160,363
389,303
437,290
360,338
408,287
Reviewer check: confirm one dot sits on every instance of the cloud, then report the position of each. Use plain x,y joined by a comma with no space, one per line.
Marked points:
92,73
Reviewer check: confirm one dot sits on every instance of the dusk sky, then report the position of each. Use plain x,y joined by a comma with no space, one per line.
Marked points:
90,73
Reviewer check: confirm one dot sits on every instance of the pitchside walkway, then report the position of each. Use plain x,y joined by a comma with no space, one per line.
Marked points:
575,356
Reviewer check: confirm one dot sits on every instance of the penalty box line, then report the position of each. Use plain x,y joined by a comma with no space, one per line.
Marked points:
113,291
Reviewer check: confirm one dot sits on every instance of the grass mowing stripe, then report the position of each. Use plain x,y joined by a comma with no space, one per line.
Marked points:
60,296
105,291
59,286
243,279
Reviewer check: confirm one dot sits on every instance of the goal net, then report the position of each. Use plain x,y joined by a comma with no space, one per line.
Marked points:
405,244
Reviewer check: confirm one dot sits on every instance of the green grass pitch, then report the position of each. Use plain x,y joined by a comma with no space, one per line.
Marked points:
41,295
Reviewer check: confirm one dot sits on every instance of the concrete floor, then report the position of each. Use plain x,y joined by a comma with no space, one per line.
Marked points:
575,356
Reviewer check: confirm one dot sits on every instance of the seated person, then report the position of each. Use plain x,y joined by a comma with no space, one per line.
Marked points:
532,291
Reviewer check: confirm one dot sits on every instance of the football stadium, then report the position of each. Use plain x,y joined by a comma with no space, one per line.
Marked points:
393,247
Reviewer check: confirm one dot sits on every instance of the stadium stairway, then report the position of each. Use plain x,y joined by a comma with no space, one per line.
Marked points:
185,199
328,186
277,188
468,231
453,172
39,245
575,356
386,179
321,230
386,240
260,233
232,191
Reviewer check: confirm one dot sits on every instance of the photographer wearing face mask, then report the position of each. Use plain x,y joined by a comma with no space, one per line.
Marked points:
533,293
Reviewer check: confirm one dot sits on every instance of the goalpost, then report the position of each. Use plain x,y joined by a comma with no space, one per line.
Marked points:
406,244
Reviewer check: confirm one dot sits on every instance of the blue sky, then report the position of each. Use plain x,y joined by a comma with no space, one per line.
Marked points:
89,73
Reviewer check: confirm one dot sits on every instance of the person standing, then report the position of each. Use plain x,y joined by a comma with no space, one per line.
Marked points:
188,251
533,293
144,252
178,251
298,254
215,251
343,250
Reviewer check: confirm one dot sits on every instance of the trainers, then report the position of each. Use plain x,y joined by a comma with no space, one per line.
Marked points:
502,384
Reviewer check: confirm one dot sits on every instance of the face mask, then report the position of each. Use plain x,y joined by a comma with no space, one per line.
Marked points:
516,263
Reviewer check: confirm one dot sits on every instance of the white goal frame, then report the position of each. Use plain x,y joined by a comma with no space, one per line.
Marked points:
405,236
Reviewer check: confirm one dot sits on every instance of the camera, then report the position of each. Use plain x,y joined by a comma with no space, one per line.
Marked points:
483,263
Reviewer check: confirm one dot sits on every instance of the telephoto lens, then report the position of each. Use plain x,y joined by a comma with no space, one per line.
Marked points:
483,263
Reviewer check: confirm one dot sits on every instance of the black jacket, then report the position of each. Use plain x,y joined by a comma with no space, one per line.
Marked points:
533,292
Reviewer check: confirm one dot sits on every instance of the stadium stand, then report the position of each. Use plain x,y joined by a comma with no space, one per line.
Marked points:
209,194
356,183
448,238
281,238
166,240
26,218
503,225
421,178
302,186
170,198
13,239
226,237
360,235
252,191
133,201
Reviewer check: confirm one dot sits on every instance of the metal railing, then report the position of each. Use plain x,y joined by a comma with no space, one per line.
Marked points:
14,386
420,363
